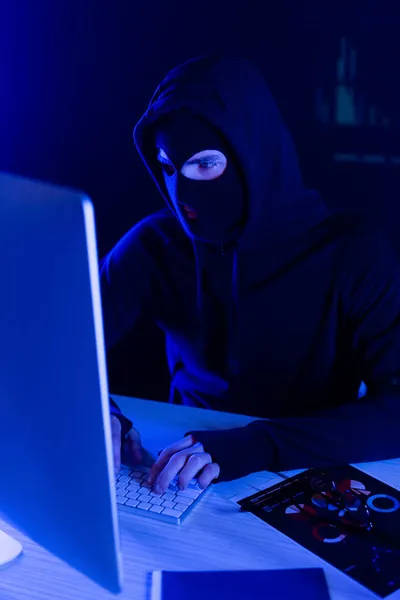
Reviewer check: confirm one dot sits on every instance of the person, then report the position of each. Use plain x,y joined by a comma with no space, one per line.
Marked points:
271,304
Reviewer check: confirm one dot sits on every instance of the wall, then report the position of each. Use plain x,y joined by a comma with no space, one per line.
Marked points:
78,75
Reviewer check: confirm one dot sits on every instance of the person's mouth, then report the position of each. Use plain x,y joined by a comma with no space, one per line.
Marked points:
190,212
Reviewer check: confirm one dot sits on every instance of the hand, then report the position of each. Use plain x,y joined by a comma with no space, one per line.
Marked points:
187,459
130,447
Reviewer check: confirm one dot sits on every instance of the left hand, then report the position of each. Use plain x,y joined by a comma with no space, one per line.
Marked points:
187,459
130,447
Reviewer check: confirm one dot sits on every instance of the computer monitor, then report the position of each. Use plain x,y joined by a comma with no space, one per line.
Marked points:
56,470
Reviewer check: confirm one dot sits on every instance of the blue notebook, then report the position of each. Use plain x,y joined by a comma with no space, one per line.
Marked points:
285,584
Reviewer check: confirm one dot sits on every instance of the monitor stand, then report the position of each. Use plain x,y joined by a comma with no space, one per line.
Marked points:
9,548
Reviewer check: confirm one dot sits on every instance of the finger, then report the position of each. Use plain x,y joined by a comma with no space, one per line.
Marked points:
174,466
132,447
132,452
194,464
117,461
170,471
116,442
208,474
133,434
166,454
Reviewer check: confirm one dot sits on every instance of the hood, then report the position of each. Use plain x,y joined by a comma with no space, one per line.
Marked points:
232,95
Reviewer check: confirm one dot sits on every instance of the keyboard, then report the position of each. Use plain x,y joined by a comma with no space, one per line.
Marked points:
135,495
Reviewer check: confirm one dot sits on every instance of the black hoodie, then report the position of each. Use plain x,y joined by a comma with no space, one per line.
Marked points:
312,299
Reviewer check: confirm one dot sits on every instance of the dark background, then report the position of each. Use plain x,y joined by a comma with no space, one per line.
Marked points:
76,76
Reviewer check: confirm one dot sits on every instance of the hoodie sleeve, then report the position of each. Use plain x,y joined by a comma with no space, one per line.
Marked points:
127,292
363,431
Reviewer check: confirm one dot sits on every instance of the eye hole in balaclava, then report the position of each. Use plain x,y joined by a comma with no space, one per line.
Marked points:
203,166
201,176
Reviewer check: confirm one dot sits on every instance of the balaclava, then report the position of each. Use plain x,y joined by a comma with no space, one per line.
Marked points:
216,206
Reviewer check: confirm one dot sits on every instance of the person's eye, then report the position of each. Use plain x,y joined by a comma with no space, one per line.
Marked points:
204,168
209,164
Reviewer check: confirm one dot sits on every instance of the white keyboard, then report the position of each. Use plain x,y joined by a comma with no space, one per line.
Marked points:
136,496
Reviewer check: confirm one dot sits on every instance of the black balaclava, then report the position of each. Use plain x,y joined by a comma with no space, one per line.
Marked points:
219,203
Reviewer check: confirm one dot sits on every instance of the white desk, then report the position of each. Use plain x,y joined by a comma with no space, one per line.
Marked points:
214,536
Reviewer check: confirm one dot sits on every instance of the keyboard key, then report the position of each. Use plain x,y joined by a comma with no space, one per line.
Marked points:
173,488
121,500
144,491
136,474
144,505
171,513
132,495
146,484
143,498
181,507
156,501
167,496
133,487
168,504
132,503
120,485
188,493
193,485
185,500
134,481
121,493
156,509
152,493
123,478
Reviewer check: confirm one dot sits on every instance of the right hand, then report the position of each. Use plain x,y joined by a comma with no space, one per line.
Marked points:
130,447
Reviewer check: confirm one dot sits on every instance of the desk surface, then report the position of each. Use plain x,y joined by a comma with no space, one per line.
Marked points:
214,536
